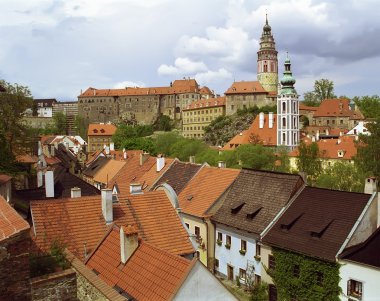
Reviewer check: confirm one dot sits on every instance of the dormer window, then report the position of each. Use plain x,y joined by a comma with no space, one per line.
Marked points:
340,153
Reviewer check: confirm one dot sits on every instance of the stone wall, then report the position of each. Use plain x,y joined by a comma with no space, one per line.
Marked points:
86,291
60,286
14,267
235,102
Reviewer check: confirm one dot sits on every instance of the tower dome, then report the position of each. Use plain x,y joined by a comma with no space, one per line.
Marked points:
288,81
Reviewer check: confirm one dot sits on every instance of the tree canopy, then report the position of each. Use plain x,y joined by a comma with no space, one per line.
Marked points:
368,105
323,89
308,160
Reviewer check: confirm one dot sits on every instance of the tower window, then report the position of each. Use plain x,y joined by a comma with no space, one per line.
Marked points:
265,67
284,122
283,138
283,107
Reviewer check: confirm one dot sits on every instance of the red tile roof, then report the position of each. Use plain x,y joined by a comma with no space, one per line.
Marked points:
207,103
266,136
97,129
307,108
4,178
149,274
79,222
108,171
329,148
205,91
205,188
245,88
337,108
11,222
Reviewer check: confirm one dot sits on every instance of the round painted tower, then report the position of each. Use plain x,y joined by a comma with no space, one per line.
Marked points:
267,64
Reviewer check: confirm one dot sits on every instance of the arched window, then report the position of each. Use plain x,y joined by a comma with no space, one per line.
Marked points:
284,122
265,66
283,138
283,107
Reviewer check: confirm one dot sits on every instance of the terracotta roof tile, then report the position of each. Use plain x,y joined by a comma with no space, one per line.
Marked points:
266,136
307,108
108,171
337,108
11,222
255,198
317,222
97,129
149,274
4,178
207,103
244,87
95,166
205,188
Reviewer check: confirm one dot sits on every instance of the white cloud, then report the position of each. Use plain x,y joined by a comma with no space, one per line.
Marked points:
124,84
209,76
182,66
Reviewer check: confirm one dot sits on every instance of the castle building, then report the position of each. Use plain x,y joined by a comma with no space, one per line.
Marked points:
288,110
245,94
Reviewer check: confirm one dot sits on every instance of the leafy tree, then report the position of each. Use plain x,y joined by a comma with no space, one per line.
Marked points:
81,126
368,105
282,163
13,103
342,176
368,155
165,142
163,123
255,156
323,89
259,292
310,99
141,143
308,160
184,148
60,123
125,132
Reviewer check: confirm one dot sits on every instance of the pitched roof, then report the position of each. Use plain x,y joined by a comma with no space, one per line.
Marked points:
25,158
205,188
255,198
178,175
4,178
337,108
148,178
108,171
98,129
317,222
342,148
206,91
149,274
206,103
79,222
266,135
307,108
95,166
11,222
47,102
243,87
366,252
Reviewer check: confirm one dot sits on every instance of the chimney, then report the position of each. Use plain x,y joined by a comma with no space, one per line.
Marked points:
312,139
52,150
112,146
192,159
339,141
49,183
160,162
327,132
221,164
124,154
67,146
270,120
261,120
143,158
129,242
135,188
107,149
370,185
76,192
40,178
107,205
317,136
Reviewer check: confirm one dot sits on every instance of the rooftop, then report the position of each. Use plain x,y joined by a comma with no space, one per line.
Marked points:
245,87
337,108
98,129
206,103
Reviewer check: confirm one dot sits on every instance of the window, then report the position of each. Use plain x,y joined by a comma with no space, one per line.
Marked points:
296,271
228,241
216,263
257,279
258,250
197,231
220,236
284,122
187,225
271,262
243,245
354,288
242,273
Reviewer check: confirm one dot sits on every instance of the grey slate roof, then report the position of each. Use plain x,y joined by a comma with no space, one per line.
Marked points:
255,198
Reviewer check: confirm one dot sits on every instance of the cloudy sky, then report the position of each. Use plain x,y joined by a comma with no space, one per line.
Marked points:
58,47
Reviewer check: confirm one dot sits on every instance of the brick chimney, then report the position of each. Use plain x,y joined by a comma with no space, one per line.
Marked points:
129,242
76,192
143,158
49,184
107,209
192,159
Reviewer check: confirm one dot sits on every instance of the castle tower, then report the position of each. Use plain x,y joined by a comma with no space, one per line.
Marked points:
288,110
267,64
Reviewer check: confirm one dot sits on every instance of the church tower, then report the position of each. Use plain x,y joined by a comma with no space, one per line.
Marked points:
288,110
267,64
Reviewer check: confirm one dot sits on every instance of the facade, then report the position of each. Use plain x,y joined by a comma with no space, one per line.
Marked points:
99,135
288,133
45,107
199,114
70,109
267,64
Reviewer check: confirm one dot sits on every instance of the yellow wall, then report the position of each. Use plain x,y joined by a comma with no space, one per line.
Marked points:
265,252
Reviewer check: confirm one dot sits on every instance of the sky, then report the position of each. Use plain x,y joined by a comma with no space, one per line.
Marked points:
60,47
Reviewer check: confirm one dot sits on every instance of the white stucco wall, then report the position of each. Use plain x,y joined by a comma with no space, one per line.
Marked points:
201,285
368,276
232,256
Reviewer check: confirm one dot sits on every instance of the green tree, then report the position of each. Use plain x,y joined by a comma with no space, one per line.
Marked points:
165,142
255,156
308,161
368,155
310,99
125,132
81,126
342,176
368,105
282,163
163,123
140,143
259,292
323,89
184,148
13,103
60,123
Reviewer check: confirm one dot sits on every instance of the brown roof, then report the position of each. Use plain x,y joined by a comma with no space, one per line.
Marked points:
205,188
206,91
95,166
97,129
255,198
244,87
178,175
266,136
330,148
206,103
337,108
4,178
149,274
108,171
366,252
47,102
318,222
79,222
307,108
11,222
